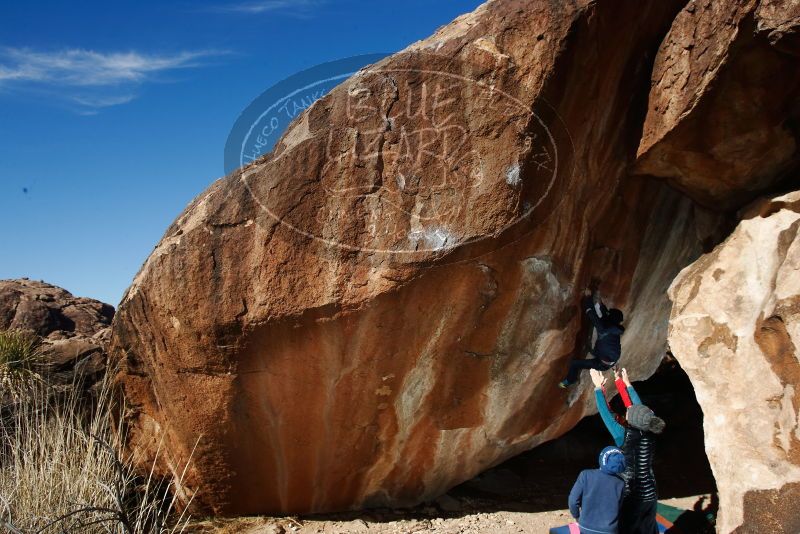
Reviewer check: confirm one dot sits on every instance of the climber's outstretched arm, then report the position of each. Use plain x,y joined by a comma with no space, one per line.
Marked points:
622,389
634,397
615,429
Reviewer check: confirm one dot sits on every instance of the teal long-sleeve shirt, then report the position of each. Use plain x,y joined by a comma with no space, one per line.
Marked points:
616,430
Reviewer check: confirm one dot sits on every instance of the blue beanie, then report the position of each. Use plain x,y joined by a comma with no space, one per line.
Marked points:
612,461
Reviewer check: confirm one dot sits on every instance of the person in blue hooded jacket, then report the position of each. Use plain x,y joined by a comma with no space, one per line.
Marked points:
596,497
636,435
607,348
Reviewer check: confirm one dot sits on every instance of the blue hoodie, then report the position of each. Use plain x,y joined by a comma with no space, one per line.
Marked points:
596,496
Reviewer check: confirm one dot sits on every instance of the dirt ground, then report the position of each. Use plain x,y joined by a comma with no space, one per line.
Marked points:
499,522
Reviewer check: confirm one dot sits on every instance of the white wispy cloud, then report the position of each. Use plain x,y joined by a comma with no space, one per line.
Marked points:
291,7
101,101
92,79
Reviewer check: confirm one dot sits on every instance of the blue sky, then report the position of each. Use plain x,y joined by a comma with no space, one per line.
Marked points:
114,115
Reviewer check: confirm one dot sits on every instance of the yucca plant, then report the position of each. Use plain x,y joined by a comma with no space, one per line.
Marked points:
20,362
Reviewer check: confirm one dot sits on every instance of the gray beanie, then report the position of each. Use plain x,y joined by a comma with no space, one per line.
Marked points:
639,416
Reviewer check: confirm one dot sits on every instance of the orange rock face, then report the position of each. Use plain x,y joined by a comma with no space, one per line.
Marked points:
382,306
722,114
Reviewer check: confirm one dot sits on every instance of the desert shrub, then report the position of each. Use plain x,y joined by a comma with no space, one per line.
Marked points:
60,471
20,361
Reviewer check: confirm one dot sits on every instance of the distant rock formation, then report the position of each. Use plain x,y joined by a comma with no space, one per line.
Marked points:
735,327
74,330
382,306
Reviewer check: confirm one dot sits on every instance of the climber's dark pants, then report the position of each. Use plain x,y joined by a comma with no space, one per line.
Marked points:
577,366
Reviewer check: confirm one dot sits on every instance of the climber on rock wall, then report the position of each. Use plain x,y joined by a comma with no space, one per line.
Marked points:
607,348
636,436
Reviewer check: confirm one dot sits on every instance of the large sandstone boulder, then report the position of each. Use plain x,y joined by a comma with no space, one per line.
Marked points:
722,113
74,330
381,308
735,328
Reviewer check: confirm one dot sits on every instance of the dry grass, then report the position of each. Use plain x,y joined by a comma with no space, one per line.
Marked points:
60,473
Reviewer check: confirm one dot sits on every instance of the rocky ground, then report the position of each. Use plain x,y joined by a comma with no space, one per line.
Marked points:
501,522
429,519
